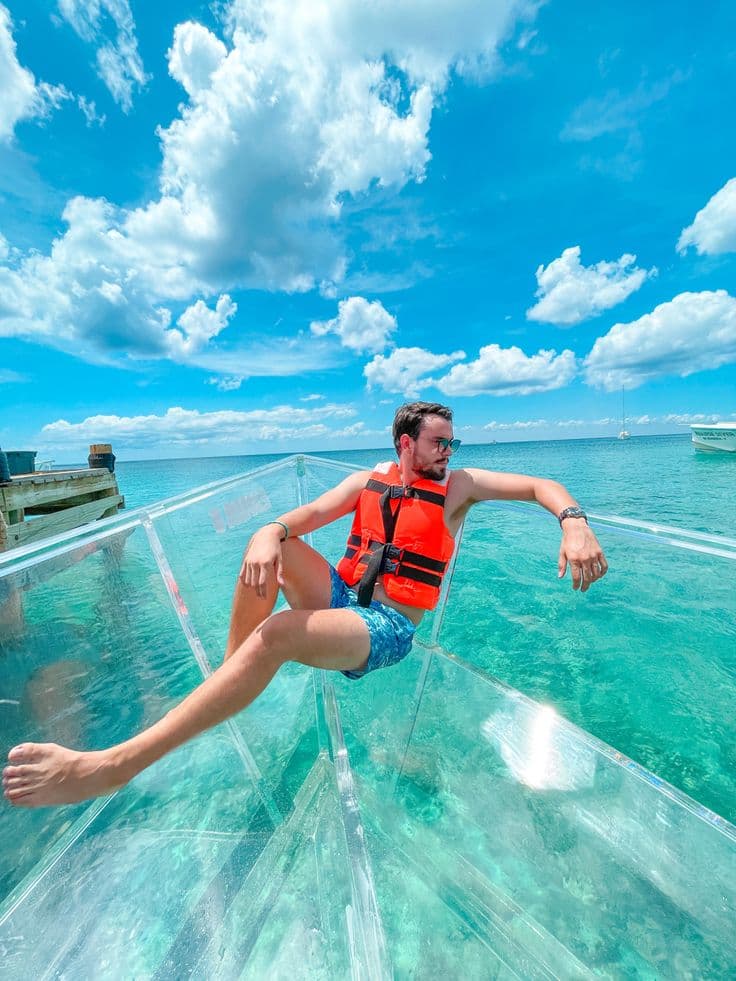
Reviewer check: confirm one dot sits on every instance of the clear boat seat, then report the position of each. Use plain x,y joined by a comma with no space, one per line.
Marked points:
426,821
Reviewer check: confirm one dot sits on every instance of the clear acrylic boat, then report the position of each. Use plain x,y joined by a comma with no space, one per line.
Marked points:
426,822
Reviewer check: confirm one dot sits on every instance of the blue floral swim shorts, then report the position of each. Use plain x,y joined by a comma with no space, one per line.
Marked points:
391,632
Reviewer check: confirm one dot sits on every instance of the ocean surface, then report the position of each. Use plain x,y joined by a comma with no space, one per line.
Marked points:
645,661
657,478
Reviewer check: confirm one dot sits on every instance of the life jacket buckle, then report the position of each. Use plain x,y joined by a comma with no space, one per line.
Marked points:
392,556
397,491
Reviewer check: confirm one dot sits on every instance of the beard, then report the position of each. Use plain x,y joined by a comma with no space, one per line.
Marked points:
436,472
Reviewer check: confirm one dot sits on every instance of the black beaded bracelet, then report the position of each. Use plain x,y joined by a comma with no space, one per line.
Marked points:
284,526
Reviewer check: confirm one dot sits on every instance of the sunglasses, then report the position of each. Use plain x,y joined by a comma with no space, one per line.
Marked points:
453,445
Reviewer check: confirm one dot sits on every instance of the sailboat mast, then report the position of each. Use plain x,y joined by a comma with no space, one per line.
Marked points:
624,434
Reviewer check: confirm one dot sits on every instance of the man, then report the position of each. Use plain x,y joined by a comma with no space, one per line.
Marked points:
406,516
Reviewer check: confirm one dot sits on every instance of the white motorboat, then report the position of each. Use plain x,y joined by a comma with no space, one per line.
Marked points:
716,436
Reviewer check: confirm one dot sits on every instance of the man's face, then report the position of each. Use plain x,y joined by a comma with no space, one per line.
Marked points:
426,457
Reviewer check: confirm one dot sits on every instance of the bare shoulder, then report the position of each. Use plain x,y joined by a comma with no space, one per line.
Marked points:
459,493
469,486
339,500
354,483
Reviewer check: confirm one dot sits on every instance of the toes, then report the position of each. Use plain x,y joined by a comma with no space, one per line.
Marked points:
16,794
13,781
25,753
16,771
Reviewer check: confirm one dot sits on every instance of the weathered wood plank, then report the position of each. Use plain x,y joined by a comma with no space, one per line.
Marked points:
54,524
12,623
30,493
50,476
65,502
113,506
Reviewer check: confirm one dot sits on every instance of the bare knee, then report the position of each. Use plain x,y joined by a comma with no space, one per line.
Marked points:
274,638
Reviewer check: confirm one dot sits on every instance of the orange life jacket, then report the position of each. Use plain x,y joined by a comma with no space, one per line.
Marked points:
398,533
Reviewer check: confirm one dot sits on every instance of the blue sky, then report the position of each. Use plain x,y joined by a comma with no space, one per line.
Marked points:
260,226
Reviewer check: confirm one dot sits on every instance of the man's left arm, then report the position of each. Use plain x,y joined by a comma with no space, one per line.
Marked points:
579,547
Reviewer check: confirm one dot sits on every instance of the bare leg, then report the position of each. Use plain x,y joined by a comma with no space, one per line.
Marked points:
306,587
46,774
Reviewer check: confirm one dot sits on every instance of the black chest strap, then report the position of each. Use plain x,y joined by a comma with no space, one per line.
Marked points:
377,561
385,556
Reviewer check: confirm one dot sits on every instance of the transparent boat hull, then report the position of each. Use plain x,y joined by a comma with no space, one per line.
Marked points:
426,821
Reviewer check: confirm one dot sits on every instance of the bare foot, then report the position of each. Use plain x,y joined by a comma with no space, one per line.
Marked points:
44,774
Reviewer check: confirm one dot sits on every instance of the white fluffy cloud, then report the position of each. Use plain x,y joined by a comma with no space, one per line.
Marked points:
22,97
693,332
300,105
606,423
179,425
229,383
361,325
402,370
519,424
198,325
89,110
194,57
714,227
16,83
119,64
570,292
523,424
508,371
685,418
97,296
424,42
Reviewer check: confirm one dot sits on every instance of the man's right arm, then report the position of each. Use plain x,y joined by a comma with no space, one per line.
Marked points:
325,509
264,549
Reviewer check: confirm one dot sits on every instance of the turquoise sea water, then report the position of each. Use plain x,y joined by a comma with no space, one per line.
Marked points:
658,478
646,660
493,830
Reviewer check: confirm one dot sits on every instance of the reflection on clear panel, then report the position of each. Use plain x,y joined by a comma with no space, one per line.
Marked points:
644,659
93,655
557,853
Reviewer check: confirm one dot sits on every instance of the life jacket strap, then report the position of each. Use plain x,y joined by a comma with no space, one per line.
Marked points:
400,555
421,493
386,557
368,580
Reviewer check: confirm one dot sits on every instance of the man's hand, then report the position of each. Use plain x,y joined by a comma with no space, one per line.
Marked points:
263,557
581,549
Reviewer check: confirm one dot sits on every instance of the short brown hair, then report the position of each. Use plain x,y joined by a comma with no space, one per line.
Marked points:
410,416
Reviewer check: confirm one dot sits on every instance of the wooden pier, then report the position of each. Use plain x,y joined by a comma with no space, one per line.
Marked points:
36,505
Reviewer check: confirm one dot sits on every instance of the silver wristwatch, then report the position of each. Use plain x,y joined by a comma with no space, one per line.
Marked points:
572,512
